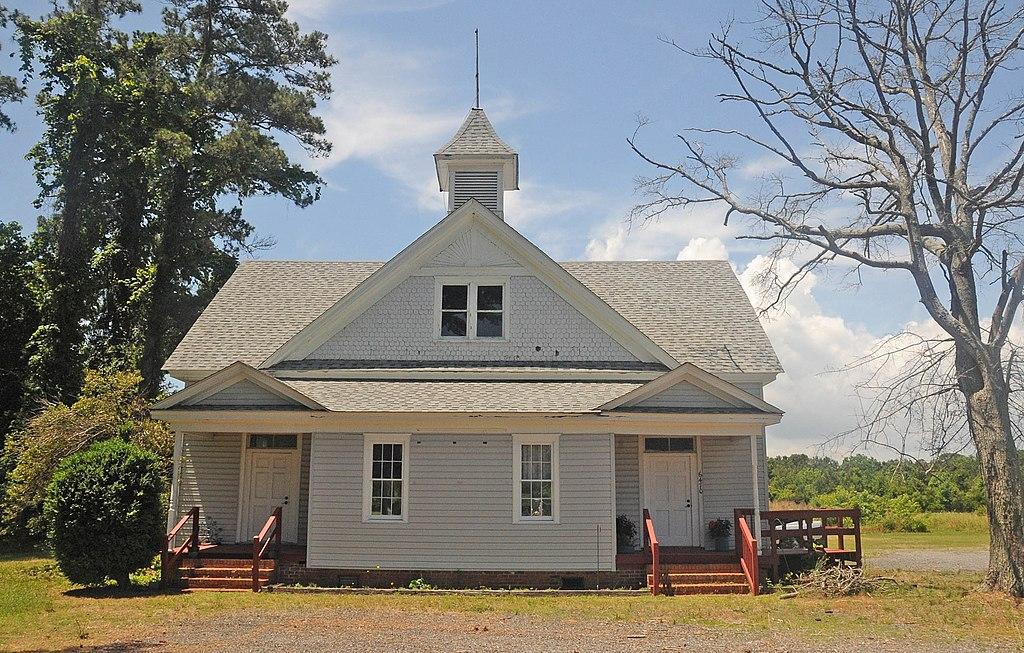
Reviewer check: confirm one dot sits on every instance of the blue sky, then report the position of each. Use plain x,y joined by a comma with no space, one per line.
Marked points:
563,83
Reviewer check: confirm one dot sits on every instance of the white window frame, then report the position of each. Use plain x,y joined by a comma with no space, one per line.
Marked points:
517,477
370,439
472,283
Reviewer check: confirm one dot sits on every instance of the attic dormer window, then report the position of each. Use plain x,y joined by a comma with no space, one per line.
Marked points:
471,310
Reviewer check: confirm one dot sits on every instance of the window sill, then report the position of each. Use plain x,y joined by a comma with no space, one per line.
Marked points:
385,520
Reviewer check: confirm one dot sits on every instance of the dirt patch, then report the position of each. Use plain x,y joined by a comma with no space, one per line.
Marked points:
330,630
932,560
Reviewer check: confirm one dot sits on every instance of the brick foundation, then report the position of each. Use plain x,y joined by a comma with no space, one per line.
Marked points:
296,572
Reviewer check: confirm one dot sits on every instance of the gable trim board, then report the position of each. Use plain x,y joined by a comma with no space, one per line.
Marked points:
693,375
437,239
237,372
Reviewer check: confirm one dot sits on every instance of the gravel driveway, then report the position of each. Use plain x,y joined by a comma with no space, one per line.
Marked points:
932,560
340,630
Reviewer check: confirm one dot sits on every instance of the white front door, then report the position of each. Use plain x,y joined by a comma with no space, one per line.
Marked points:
668,495
273,481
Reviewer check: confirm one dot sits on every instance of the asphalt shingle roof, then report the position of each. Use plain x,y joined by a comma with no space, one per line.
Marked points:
461,396
476,137
694,310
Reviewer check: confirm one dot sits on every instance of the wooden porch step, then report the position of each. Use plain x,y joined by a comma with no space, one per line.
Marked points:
708,588
690,568
222,572
197,563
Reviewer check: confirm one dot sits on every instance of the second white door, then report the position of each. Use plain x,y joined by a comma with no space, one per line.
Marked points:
668,495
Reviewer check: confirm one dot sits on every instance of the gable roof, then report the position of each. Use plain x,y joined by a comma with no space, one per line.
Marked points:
471,215
236,373
688,373
694,310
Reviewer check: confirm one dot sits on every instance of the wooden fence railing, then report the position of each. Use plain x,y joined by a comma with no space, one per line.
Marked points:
171,557
271,533
824,531
651,541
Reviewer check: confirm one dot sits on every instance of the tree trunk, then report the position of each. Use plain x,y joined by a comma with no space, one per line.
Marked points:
154,343
989,420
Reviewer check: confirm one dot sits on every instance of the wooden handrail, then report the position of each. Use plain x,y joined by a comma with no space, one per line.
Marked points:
169,557
651,540
748,553
271,532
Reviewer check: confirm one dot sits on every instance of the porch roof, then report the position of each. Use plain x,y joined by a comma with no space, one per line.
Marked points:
461,396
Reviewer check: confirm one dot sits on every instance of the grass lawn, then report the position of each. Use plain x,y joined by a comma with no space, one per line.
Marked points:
946,530
39,610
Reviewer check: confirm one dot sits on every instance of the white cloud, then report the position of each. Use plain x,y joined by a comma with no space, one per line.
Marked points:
812,343
618,239
702,248
299,9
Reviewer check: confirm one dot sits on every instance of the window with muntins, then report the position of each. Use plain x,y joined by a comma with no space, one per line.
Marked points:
536,495
472,310
385,486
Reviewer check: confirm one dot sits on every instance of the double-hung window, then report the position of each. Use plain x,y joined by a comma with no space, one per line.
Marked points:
385,477
472,310
535,490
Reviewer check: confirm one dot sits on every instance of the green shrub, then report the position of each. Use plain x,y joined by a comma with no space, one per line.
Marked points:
110,407
104,511
891,514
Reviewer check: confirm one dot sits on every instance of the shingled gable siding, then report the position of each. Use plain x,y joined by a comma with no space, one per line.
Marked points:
684,394
243,393
209,473
460,508
542,327
726,476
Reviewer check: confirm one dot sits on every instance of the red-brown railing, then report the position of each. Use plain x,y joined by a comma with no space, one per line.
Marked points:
807,532
260,543
169,556
746,547
651,540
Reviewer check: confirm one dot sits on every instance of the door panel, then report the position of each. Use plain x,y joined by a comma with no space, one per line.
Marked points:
668,482
273,481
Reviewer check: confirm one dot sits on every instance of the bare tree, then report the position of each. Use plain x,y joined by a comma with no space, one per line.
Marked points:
900,125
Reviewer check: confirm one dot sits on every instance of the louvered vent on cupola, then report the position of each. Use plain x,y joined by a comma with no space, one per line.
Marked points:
482,185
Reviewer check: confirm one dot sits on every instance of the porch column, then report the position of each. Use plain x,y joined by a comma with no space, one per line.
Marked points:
172,508
754,456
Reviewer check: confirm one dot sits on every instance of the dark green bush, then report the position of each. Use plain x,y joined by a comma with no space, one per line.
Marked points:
104,511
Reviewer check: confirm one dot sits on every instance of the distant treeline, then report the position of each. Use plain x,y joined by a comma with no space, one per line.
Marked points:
882,488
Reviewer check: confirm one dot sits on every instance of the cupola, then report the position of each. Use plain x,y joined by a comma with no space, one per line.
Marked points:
476,164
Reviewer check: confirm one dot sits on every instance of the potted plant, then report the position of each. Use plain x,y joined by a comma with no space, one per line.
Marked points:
625,534
719,530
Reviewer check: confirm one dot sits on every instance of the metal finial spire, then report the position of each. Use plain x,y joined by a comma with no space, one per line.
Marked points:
477,33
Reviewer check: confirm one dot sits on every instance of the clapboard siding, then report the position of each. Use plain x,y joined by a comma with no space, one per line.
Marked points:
726,476
684,395
460,508
304,487
627,479
208,477
243,393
